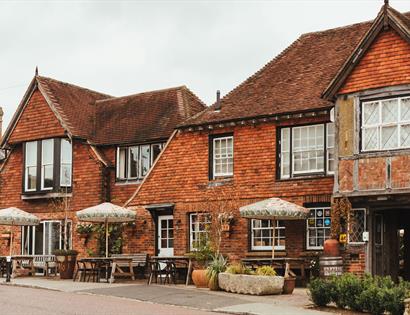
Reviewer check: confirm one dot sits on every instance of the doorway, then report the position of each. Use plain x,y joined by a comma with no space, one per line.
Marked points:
165,232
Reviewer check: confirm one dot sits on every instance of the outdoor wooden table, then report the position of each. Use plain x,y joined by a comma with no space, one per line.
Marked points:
175,259
116,268
22,264
283,262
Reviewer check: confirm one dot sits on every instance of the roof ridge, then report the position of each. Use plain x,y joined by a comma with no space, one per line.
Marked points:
141,93
73,85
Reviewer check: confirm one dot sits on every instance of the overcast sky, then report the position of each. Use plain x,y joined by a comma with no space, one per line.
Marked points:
126,47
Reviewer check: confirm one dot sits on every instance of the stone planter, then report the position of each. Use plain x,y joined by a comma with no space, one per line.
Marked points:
250,284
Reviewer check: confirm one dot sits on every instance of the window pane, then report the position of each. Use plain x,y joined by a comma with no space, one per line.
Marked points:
47,163
145,159
389,137
31,175
371,113
133,162
47,154
371,138
156,149
405,109
357,225
66,163
405,136
285,156
390,110
121,163
31,153
318,227
48,176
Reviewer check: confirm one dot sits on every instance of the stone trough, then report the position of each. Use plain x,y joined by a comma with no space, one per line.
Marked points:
250,284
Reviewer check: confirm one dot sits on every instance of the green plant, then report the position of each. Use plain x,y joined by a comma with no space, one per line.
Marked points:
85,228
239,269
202,252
65,252
216,266
265,271
346,289
115,239
320,291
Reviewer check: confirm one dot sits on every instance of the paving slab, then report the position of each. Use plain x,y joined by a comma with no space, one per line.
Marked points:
267,309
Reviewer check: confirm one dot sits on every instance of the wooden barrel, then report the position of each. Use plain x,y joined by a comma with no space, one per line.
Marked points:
330,266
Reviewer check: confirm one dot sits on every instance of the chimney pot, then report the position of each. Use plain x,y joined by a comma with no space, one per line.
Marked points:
218,100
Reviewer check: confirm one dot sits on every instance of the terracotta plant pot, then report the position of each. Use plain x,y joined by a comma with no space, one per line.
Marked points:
199,278
331,248
66,265
289,285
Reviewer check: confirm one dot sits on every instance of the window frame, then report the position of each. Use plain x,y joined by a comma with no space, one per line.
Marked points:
399,123
326,149
308,247
66,163
211,149
192,232
267,248
40,189
364,228
44,165
127,161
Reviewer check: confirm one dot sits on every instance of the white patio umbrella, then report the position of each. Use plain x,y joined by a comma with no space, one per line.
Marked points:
106,213
14,216
274,209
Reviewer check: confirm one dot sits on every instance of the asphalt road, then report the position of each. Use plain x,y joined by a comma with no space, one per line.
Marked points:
28,301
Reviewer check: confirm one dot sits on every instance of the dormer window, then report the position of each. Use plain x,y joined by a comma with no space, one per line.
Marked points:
47,165
134,162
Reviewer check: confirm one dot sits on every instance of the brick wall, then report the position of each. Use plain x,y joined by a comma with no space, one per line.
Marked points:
181,177
37,121
386,63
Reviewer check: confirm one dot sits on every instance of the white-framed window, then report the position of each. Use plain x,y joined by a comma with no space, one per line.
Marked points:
30,160
134,162
47,164
222,156
318,227
44,238
357,225
262,235
66,163
307,150
386,124
199,229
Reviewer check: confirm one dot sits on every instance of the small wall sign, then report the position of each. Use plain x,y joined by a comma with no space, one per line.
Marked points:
343,238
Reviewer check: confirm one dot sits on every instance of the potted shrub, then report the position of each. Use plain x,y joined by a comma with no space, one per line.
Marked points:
216,266
240,279
201,256
66,259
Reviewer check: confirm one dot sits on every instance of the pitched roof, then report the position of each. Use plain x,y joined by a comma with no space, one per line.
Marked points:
144,117
104,119
293,81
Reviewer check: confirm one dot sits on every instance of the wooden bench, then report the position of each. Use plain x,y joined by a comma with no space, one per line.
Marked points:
46,263
131,261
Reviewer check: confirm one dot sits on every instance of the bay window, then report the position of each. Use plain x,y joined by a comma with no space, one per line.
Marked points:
134,162
47,165
386,124
306,150
262,235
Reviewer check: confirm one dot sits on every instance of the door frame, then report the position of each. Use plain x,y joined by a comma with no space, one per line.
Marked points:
157,227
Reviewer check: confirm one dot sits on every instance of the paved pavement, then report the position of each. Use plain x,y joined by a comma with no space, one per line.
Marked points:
180,296
29,301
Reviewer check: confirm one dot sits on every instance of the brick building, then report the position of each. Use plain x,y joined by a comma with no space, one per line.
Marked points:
274,136
69,148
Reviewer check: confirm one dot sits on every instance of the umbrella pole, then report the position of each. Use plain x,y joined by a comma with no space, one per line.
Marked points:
11,240
106,238
273,240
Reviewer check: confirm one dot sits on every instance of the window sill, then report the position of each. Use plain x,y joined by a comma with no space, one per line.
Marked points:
305,177
263,253
221,181
47,195
128,182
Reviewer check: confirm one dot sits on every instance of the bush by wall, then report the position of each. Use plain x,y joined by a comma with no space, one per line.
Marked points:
368,294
